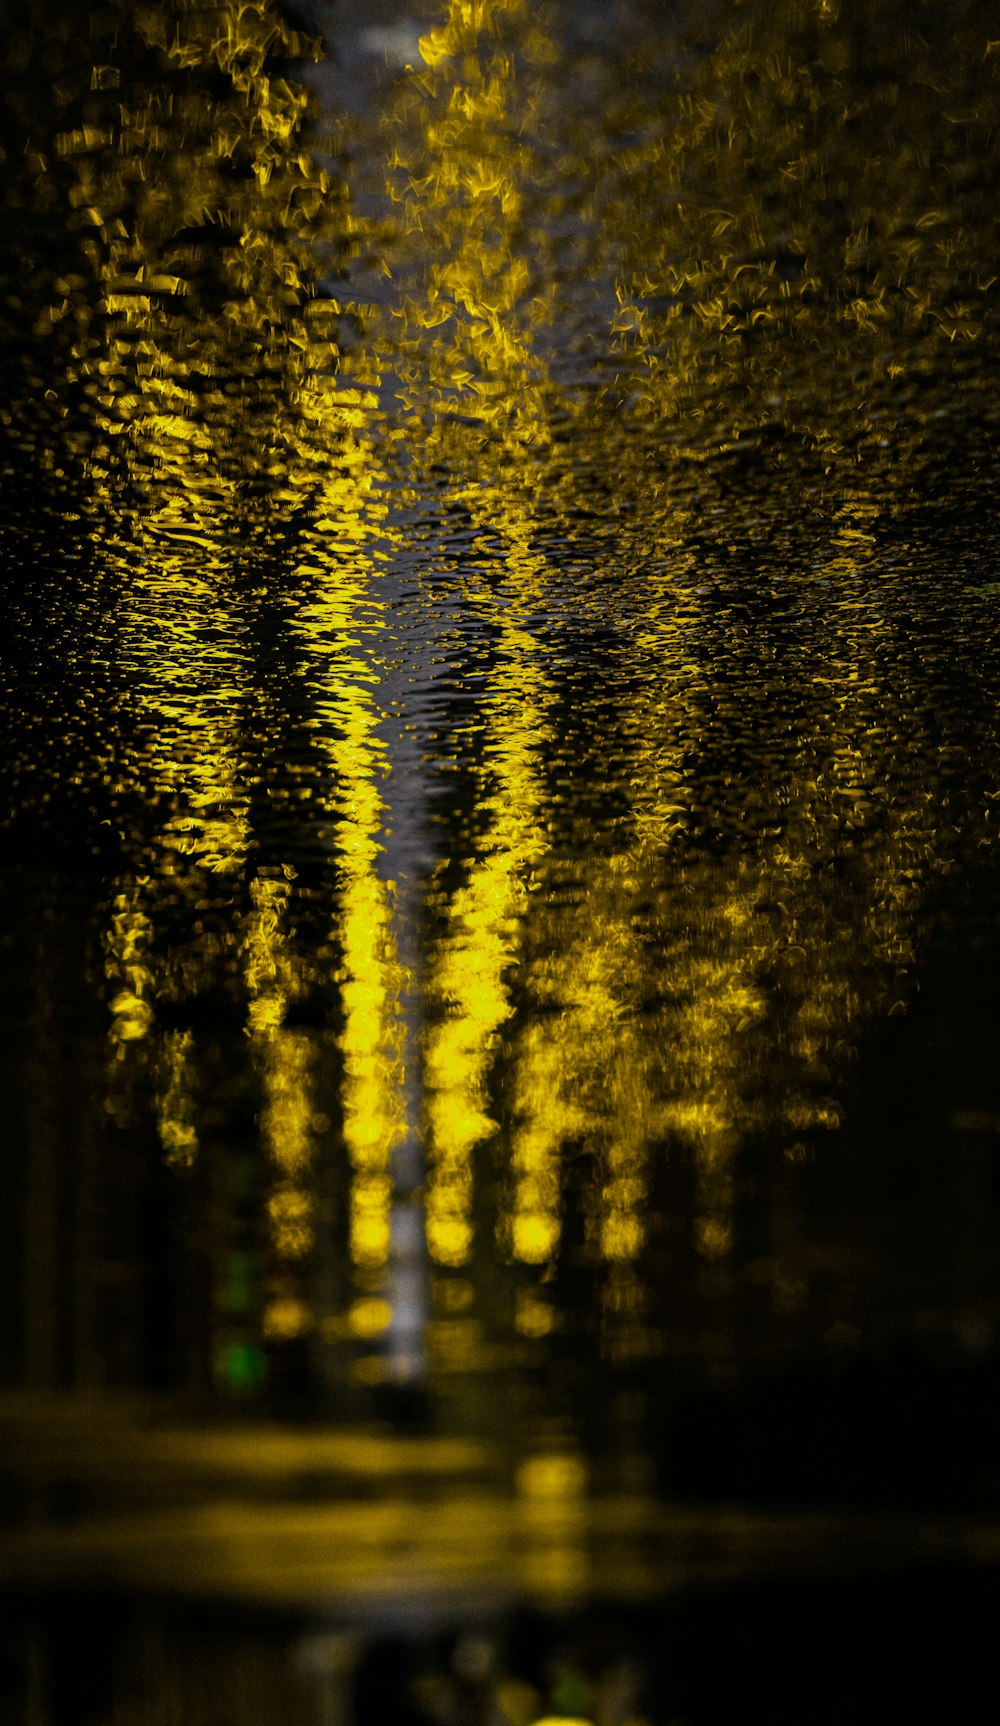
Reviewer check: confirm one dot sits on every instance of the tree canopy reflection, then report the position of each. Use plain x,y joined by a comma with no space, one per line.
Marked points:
533,740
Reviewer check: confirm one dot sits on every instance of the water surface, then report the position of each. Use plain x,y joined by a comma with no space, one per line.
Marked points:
500,908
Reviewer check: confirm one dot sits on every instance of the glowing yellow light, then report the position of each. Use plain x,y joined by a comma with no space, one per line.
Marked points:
284,1319
552,1475
370,1317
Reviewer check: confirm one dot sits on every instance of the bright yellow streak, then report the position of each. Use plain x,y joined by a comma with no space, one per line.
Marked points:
467,988
339,616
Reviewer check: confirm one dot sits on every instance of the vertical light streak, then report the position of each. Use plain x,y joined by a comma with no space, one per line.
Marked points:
464,343
469,971
283,1055
339,622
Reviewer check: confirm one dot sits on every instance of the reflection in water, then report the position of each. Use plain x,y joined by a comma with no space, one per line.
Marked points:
461,175
469,969
504,654
340,624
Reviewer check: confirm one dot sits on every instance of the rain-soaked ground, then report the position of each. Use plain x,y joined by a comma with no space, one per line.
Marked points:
500,911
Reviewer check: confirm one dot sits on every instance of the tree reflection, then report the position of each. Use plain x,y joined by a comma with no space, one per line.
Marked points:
623,492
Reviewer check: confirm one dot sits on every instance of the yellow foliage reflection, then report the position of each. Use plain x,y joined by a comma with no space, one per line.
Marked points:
596,508
793,191
211,371
470,968
470,303
339,614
